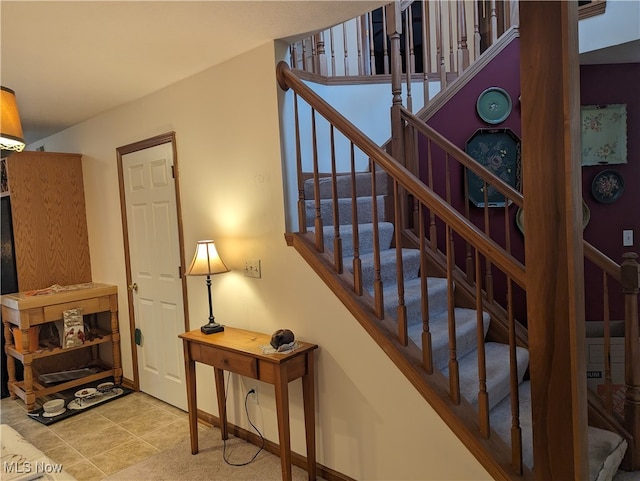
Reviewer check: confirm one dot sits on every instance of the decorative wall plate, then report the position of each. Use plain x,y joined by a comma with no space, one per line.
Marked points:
498,151
607,186
604,134
494,105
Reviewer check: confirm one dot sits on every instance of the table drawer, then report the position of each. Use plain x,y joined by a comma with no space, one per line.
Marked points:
229,361
88,306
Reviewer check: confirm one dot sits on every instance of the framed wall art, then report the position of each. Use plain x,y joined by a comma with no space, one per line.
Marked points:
604,134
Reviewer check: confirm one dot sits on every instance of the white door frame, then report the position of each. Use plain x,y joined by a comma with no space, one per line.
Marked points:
121,151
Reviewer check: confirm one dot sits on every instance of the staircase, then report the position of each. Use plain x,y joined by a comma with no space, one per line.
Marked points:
606,449
387,245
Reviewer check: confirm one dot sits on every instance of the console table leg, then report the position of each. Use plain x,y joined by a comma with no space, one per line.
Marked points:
192,401
222,405
282,408
308,397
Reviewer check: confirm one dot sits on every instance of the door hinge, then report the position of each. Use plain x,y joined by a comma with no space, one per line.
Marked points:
173,171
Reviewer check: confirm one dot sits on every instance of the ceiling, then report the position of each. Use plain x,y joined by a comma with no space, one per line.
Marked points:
69,61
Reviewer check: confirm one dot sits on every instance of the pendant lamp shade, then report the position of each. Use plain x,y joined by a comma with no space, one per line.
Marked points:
11,138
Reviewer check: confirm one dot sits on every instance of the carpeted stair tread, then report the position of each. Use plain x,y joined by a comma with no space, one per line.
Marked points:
365,210
365,237
606,449
437,289
388,271
343,185
497,363
466,337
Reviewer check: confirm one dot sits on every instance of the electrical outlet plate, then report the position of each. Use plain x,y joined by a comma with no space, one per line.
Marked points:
252,269
250,384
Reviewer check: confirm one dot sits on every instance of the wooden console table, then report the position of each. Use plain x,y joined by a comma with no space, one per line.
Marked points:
239,351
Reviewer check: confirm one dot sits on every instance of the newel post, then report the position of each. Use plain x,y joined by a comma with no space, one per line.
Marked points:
630,280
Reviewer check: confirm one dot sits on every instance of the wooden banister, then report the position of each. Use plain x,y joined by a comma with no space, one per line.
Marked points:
426,206
464,228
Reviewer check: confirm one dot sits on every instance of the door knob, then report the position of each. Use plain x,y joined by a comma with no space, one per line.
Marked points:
133,287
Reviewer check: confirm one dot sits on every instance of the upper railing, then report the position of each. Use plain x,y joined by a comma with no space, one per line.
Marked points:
439,40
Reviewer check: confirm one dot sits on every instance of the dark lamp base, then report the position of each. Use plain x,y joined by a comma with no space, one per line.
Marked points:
212,327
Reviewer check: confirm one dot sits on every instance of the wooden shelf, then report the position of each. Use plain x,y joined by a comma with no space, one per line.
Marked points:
25,310
41,390
45,352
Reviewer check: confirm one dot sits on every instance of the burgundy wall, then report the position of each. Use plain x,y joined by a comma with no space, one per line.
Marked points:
458,121
600,84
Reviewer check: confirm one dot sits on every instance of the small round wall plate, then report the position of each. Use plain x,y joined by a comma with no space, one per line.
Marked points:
607,186
494,105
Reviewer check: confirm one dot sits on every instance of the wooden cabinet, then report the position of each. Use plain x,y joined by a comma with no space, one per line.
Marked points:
26,312
49,219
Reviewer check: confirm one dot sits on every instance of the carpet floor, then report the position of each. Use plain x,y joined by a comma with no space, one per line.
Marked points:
177,463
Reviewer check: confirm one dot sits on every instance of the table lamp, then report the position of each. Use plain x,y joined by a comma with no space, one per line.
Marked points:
207,262
11,139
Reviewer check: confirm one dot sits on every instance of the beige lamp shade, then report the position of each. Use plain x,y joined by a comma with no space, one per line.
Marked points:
206,260
10,127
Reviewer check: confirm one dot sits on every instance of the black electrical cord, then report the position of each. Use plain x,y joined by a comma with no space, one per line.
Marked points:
224,441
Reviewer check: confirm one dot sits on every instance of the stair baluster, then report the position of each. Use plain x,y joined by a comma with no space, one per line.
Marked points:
337,240
483,394
357,261
630,280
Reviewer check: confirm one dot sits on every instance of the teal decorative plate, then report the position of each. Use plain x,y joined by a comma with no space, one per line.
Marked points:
494,105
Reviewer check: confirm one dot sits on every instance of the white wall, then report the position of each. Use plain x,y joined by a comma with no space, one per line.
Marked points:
371,423
620,21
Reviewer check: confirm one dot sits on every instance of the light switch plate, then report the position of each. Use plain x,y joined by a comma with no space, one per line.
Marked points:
252,269
627,238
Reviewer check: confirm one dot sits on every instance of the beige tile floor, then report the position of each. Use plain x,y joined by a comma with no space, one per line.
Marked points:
106,439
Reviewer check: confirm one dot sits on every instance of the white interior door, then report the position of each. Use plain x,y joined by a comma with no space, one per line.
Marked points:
154,254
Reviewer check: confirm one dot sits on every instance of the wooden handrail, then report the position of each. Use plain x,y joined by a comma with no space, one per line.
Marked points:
498,458
463,158
606,264
467,230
